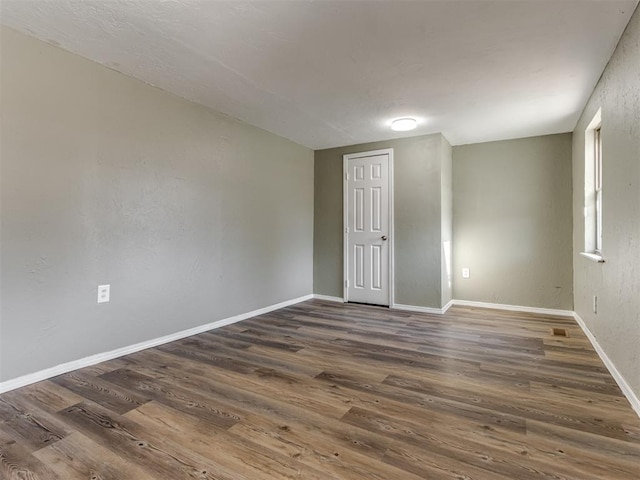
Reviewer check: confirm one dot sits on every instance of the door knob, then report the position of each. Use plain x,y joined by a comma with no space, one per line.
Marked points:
384,238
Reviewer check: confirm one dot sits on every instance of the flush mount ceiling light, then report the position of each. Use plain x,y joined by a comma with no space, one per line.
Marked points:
404,124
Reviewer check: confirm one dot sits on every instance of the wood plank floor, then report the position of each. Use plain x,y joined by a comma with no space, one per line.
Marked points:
329,391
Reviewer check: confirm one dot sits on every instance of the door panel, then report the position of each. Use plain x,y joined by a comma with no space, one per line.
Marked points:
376,268
376,209
358,266
367,232
358,224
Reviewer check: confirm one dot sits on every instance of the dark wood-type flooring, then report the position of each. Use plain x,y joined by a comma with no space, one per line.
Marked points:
323,391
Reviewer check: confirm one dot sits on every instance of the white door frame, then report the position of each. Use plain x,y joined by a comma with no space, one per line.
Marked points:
345,219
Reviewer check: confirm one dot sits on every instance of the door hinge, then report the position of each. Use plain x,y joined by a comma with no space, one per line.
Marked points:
346,284
346,176
346,230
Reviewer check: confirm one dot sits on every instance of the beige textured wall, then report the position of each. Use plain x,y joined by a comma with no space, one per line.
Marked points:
512,222
418,217
190,216
616,282
446,212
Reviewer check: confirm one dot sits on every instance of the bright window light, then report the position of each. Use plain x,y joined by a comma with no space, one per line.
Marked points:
593,186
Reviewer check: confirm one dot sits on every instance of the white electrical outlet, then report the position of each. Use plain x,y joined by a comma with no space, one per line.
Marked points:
103,293
465,272
595,304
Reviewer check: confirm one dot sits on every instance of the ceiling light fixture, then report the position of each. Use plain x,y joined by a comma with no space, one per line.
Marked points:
404,124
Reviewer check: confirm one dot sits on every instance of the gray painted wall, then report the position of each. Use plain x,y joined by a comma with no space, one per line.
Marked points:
616,283
418,217
190,216
446,212
512,222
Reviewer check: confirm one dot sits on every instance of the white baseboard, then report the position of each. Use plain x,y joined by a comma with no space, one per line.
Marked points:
416,308
617,376
447,306
514,308
328,298
119,352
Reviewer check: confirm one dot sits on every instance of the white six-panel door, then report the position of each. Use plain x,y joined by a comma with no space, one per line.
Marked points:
368,227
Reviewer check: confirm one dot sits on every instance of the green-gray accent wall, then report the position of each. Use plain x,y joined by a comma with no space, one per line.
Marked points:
421,164
512,222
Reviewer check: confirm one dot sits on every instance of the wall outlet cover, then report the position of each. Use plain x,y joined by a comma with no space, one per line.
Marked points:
104,292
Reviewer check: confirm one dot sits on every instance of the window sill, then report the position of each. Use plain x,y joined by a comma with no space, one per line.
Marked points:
594,257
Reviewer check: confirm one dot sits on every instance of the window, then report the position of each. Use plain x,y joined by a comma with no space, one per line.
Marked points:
593,189
597,172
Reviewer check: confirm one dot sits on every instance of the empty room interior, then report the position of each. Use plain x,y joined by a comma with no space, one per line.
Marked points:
320,239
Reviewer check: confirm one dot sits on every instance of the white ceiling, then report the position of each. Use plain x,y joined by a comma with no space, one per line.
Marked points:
331,73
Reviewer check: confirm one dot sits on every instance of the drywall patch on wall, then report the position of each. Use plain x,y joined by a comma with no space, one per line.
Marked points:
190,217
512,222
